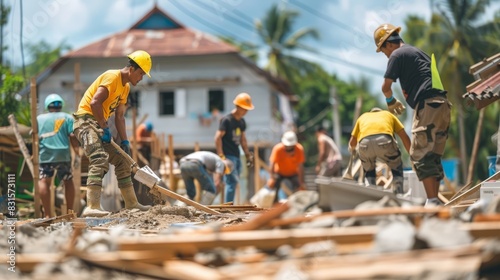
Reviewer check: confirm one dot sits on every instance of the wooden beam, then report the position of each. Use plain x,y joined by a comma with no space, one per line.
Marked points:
35,147
21,144
472,190
171,175
256,170
134,139
262,239
343,214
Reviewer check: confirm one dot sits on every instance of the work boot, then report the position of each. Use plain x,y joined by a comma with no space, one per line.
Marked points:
93,208
130,199
207,198
433,202
397,183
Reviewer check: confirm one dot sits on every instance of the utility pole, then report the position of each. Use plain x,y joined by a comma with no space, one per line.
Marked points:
335,115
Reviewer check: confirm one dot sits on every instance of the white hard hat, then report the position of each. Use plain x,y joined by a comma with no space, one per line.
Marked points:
289,138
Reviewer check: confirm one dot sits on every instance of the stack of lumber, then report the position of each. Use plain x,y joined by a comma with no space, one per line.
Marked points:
269,247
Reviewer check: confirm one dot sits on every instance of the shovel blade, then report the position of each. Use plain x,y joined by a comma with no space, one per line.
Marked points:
147,177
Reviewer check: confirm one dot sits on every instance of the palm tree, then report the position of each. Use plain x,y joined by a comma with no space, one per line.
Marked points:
276,30
247,49
459,37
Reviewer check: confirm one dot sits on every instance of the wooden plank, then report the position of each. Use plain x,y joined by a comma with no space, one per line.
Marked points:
472,190
48,221
483,229
441,212
35,148
188,201
260,220
190,270
22,145
262,239
134,128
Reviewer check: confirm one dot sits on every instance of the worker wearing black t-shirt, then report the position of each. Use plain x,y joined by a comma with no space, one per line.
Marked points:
423,91
228,138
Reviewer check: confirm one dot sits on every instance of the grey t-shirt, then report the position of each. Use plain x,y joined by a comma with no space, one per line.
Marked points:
212,162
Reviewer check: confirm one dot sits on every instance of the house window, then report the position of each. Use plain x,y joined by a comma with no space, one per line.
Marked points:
215,100
167,102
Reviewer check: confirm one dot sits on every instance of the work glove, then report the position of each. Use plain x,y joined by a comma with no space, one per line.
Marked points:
395,106
106,135
76,162
249,160
125,145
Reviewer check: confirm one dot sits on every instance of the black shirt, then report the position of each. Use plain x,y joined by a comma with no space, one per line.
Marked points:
232,138
413,68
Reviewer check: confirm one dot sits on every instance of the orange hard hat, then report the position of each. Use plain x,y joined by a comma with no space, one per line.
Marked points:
383,32
244,101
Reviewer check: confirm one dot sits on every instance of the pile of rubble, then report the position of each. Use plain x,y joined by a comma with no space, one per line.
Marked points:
377,240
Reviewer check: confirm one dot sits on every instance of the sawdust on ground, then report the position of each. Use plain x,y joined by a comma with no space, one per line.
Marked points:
161,217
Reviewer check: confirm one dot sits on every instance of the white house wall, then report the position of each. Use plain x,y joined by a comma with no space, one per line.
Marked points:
168,74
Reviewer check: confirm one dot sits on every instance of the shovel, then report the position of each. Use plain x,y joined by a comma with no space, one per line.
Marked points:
146,176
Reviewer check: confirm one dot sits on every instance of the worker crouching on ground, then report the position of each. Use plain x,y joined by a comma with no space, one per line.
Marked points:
286,163
373,133
230,136
56,135
107,95
423,91
208,168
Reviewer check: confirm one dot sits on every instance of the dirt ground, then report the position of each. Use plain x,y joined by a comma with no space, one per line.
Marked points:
161,217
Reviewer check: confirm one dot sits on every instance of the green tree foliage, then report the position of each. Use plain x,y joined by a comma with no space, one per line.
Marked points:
247,49
43,54
316,101
277,33
460,36
10,86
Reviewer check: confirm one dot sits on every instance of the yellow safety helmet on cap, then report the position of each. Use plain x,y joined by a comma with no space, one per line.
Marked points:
143,59
244,101
383,32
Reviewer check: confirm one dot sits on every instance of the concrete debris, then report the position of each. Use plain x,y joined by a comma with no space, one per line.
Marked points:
367,205
395,236
440,233
300,202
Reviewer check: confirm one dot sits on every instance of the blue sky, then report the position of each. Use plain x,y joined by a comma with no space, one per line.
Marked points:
345,26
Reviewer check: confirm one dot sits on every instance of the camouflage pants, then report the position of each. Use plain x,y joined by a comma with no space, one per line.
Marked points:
88,133
431,121
384,148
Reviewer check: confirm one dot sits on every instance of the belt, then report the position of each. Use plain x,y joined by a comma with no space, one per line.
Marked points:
84,116
195,161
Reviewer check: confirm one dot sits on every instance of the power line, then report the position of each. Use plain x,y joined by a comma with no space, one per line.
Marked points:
21,37
202,21
326,18
315,52
237,20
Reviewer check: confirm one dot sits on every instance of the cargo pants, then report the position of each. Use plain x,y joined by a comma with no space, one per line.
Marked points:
88,133
431,121
385,148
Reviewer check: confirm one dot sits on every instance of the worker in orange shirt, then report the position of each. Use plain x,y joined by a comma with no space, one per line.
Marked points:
286,163
144,138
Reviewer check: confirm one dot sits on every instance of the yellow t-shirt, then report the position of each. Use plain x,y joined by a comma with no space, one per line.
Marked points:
381,122
118,93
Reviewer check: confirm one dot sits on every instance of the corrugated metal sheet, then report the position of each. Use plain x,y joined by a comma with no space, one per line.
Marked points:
486,89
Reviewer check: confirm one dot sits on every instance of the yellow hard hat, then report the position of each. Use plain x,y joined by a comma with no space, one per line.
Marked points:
244,101
143,59
383,32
